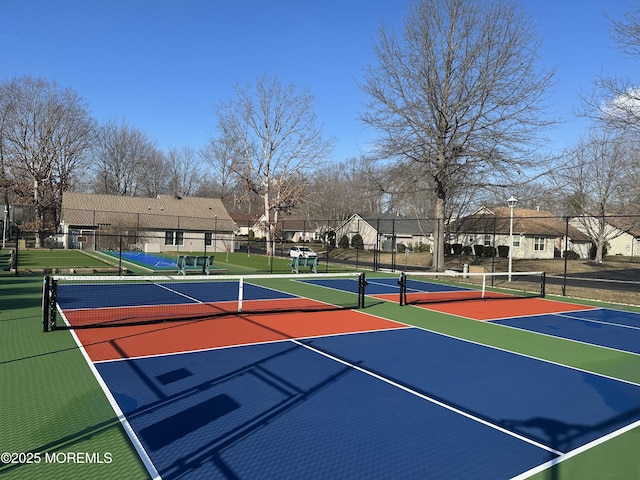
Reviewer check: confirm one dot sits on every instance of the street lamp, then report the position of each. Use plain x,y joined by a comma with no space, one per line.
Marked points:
4,227
215,233
512,203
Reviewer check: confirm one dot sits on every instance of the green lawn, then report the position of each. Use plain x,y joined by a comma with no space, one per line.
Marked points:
57,259
51,402
61,261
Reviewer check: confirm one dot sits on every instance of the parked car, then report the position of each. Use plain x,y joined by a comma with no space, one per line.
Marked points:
300,251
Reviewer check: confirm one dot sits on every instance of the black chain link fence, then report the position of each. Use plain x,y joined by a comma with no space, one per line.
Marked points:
561,246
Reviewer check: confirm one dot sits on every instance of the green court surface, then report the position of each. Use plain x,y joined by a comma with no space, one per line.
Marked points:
57,422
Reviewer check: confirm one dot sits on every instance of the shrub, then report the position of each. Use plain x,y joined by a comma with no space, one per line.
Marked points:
594,249
457,248
467,250
331,238
503,251
489,251
357,242
478,250
570,255
426,248
344,242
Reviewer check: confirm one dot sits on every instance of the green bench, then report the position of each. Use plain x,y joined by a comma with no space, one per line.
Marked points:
191,263
311,262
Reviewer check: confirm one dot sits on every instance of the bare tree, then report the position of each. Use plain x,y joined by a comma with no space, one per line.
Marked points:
45,132
154,174
342,189
626,32
277,143
185,171
219,155
119,154
616,100
598,182
458,98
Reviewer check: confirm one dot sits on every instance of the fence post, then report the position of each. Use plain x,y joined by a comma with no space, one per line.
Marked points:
17,250
566,249
394,245
120,255
376,250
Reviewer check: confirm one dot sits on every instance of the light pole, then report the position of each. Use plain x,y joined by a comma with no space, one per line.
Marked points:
4,227
512,203
215,233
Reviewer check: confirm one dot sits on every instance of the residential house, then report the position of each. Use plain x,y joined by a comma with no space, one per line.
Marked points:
622,232
386,232
288,229
150,224
245,223
537,234
300,230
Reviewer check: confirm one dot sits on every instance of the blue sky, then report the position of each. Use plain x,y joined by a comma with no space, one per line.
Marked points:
163,64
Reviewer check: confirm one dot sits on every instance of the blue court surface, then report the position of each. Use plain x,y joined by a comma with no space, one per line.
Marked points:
387,285
77,296
155,262
604,327
403,403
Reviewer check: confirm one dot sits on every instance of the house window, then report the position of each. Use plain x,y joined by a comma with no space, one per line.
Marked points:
538,244
516,240
207,238
487,240
173,238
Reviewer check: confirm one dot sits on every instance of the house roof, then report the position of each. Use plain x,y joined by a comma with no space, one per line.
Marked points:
244,219
488,220
629,224
161,212
297,224
288,224
388,224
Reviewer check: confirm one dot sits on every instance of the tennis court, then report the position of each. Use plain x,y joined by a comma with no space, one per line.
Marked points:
246,385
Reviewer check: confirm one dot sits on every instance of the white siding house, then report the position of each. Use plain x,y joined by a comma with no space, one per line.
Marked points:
162,223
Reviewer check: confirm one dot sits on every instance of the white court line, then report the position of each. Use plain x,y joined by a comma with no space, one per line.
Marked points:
137,444
577,451
602,322
430,399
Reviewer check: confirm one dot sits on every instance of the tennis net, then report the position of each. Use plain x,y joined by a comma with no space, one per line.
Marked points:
450,286
95,301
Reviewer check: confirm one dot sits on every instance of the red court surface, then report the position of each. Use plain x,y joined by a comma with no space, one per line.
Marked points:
466,304
122,315
174,337
492,309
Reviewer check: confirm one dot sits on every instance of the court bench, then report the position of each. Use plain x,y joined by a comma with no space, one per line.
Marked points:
194,263
297,262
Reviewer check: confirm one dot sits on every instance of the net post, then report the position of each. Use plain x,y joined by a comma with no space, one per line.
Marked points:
402,281
45,303
53,300
543,284
240,293
362,283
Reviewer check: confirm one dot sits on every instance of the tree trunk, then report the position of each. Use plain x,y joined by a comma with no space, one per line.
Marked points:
438,235
267,219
